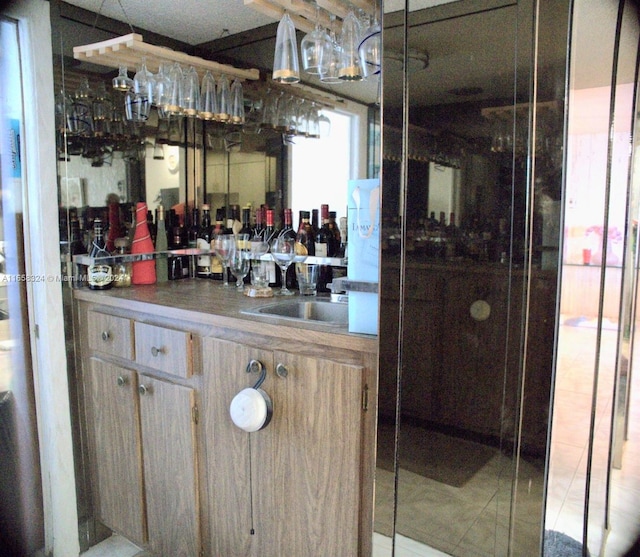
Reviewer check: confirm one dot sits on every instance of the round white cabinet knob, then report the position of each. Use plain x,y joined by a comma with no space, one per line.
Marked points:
250,409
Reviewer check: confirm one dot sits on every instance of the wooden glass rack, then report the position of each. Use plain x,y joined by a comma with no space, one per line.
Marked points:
128,50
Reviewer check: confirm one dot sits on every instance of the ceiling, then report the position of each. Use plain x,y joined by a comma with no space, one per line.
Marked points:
470,43
194,21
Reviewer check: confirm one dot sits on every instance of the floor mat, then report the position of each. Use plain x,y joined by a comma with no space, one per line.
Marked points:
557,544
445,459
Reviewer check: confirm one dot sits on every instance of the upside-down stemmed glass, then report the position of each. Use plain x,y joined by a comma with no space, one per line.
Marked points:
223,246
283,251
240,260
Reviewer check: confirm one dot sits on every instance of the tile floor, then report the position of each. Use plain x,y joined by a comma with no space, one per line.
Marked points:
481,504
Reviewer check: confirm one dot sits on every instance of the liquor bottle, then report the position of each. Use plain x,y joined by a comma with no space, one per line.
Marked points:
144,272
324,247
218,228
268,234
179,267
99,275
122,269
162,261
203,269
192,239
235,224
151,226
305,240
194,227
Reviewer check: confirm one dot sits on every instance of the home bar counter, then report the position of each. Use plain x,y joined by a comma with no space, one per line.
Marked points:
158,368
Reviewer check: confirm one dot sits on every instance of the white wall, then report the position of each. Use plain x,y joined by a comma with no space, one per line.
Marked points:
45,298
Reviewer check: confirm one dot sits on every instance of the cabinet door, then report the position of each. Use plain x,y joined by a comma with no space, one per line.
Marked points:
306,462
115,433
229,481
168,442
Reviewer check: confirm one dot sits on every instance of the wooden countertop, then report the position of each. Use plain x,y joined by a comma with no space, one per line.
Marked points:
207,302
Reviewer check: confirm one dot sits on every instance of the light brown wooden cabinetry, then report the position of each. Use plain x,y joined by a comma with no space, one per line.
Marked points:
142,436
171,471
112,405
291,488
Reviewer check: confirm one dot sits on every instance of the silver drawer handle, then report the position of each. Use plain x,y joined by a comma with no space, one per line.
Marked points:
143,390
156,351
122,381
106,335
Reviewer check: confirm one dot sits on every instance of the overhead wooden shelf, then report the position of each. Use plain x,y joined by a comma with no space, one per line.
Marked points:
507,111
303,12
128,50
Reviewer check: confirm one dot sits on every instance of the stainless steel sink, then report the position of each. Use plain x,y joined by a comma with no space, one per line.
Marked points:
302,310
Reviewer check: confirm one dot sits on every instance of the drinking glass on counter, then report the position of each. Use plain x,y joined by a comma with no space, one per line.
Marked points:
259,271
283,251
239,263
240,260
223,247
307,275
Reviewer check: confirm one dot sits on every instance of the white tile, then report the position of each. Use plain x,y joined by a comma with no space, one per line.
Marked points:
115,546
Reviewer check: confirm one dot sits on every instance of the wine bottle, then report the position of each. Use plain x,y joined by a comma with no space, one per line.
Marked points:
144,272
333,226
115,228
288,232
99,275
258,228
194,227
268,234
305,240
162,262
246,222
203,269
324,247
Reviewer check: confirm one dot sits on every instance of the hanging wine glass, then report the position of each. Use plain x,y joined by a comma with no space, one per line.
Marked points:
101,110
313,125
370,49
269,110
286,68
237,103
81,120
161,91
332,57
174,97
350,69
138,99
191,93
313,48
324,125
283,114
122,82
224,99
208,99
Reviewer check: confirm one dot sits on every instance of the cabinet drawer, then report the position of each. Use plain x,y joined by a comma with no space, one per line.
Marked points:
110,334
164,349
